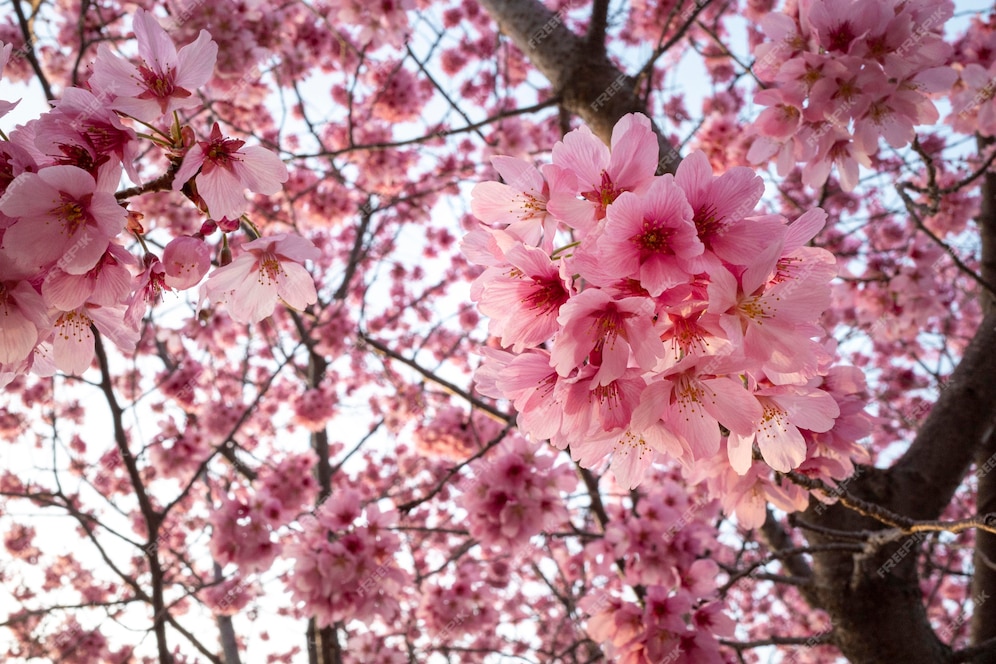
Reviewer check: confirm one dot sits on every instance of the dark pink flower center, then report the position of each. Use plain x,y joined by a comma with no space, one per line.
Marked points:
161,86
653,239
707,222
548,295
603,196
221,152
840,36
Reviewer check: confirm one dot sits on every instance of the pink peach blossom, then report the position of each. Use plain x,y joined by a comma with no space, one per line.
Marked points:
519,202
600,175
609,329
186,260
165,81
23,319
524,300
269,269
225,169
649,237
62,214
106,284
787,409
73,344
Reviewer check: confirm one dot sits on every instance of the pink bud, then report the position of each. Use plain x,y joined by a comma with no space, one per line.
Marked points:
186,260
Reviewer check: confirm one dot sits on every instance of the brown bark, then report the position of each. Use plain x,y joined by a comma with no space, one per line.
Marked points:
588,83
983,625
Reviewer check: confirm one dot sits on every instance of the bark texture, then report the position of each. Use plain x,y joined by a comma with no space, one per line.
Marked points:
984,580
588,83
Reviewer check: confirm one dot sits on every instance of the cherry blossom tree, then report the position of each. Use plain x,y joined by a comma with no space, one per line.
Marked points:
646,332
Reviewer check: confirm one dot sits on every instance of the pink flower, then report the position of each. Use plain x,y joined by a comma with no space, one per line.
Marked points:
530,382
600,175
720,206
268,269
697,404
148,287
774,319
106,284
186,260
14,160
787,409
23,317
73,345
227,170
592,410
5,106
523,301
835,148
975,100
519,203
82,128
165,81
783,117
650,238
786,42
63,214
838,25
595,323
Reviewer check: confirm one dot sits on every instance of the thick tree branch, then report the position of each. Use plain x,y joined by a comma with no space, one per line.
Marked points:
28,50
983,627
588,83
926,476
226,630
599,23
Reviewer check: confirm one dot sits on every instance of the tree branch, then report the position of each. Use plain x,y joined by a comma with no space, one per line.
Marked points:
587,82
983,627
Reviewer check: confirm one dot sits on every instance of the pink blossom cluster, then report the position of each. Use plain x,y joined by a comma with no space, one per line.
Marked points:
229,596
345,565
64,266
668,542
284,489
516,494
372,648
179,452
244,526
454,433
840,76
401,95
376,23
665,536
464,607
973,98
242,534
665,628
75,644
830,455
315,407
672,321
